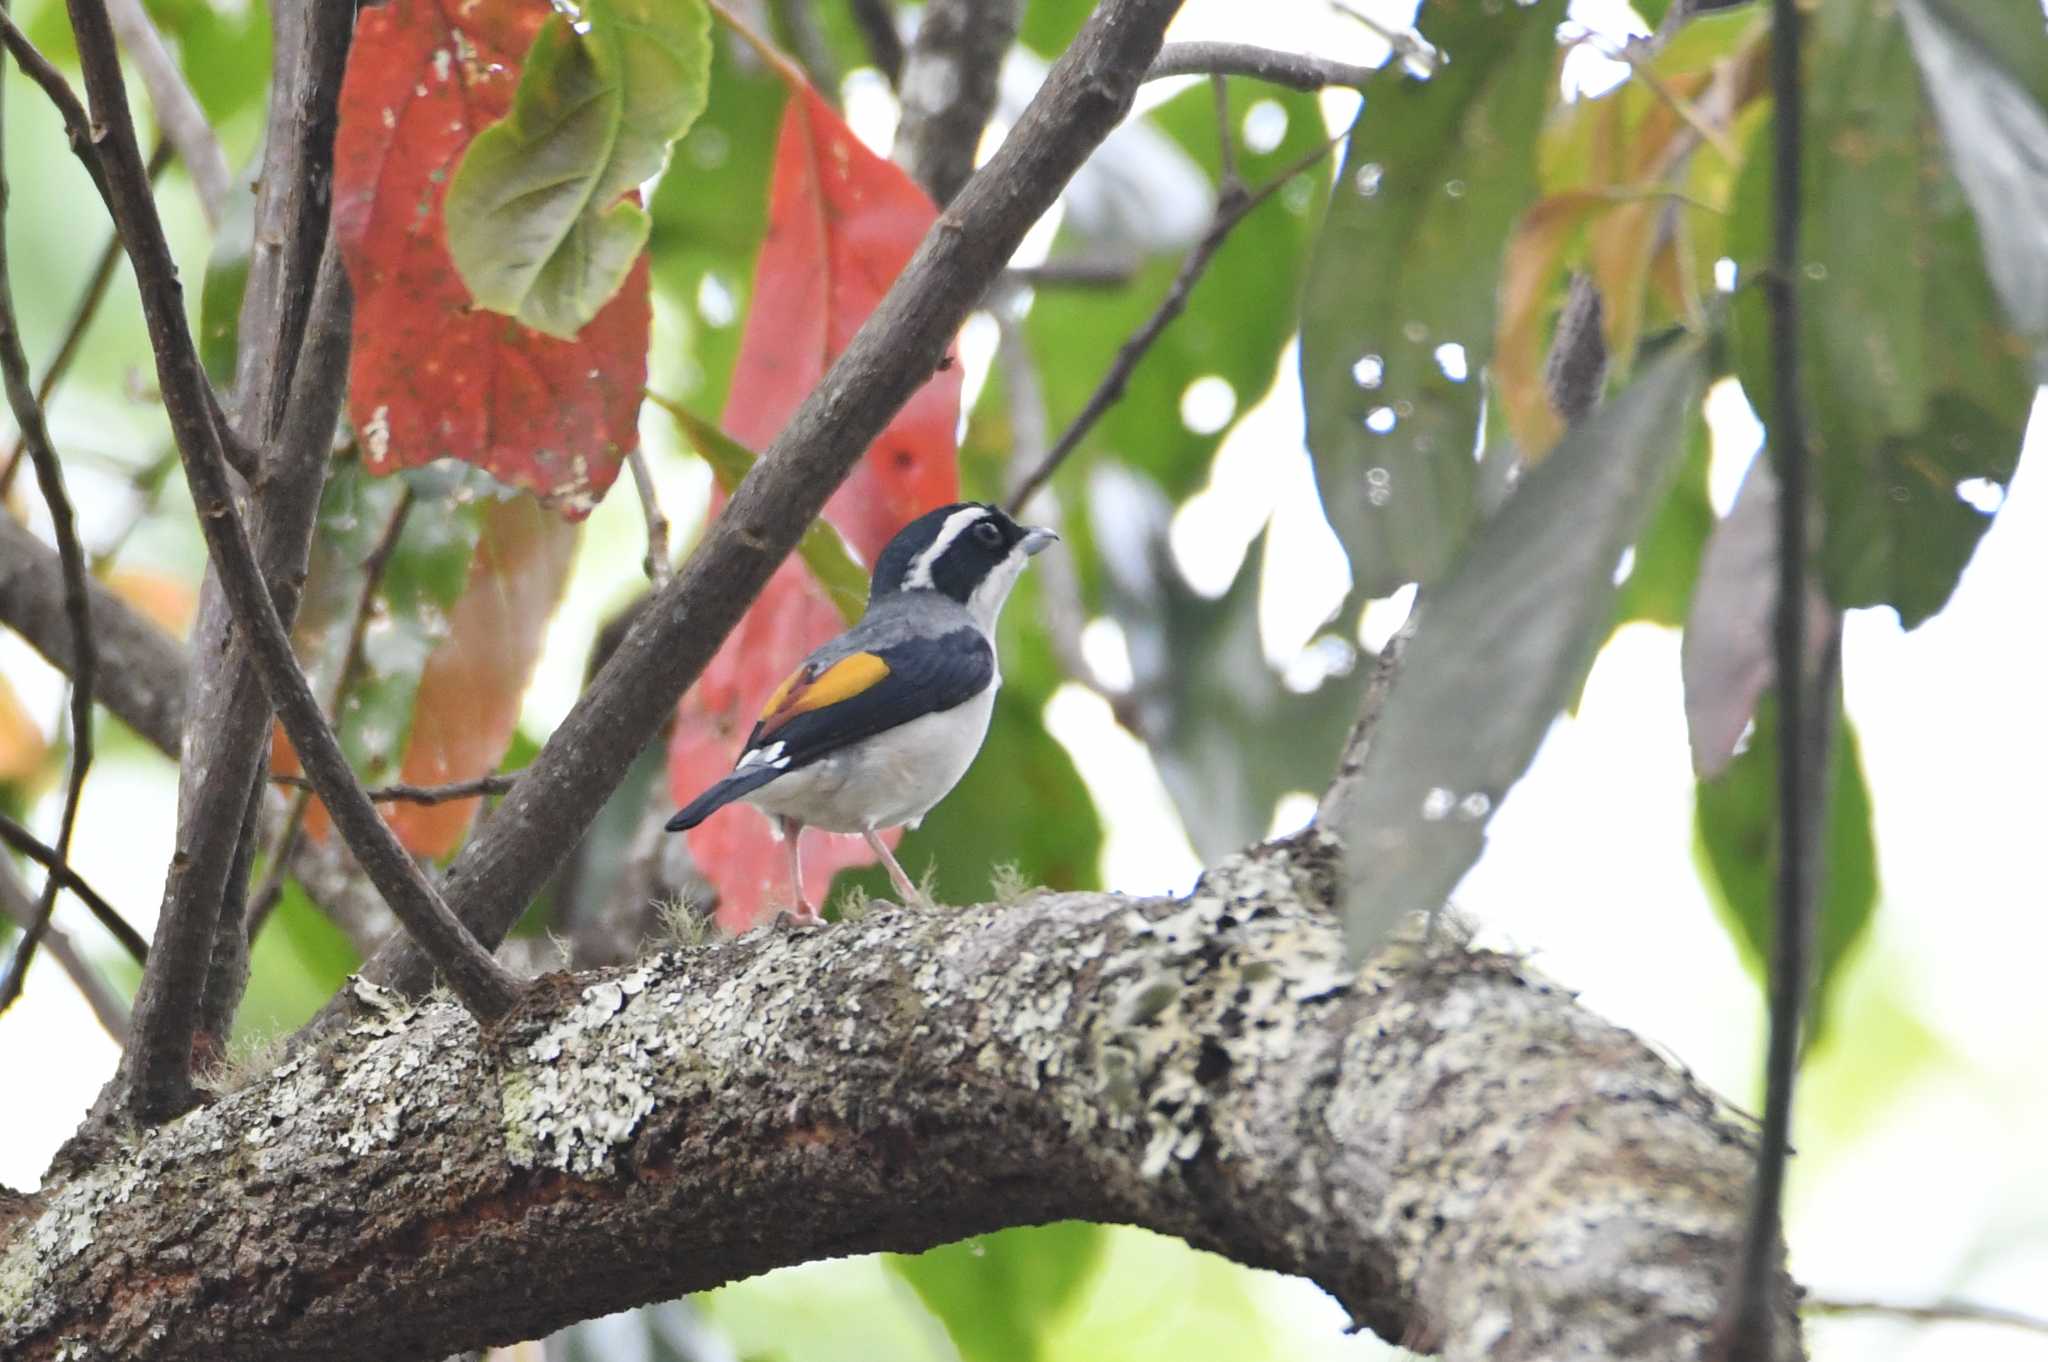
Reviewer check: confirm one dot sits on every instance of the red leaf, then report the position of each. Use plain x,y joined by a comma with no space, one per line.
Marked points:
431,376
842,223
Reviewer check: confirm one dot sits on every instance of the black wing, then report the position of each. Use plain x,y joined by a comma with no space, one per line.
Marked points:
926,676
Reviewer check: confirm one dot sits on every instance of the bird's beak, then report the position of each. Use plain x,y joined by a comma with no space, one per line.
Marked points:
1036,540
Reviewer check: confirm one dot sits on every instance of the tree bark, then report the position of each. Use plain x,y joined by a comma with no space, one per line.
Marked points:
1469,1161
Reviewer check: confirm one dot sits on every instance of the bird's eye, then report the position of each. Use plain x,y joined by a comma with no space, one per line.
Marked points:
988,534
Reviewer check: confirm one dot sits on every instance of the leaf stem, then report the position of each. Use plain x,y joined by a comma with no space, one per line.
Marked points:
1748,1328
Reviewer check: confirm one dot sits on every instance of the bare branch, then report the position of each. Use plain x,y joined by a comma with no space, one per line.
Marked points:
178,115
1204,1067
29,845
1295,70
28,416
902,344
877,22
144,678
107,1005
1233,205
476,978
89,300
948,89
419,794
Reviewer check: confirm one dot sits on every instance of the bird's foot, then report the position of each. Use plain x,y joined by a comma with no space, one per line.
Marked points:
804,914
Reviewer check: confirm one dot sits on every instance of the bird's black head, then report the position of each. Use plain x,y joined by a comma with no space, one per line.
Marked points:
969,551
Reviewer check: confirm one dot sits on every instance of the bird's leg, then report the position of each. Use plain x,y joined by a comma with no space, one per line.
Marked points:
912,895
792,833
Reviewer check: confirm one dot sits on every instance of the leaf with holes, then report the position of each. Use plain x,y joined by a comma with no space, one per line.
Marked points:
1505,640
431,376
541,222
1918,389
1433,179
842,225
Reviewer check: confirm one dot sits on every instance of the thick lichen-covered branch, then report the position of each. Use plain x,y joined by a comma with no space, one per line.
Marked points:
1466,1158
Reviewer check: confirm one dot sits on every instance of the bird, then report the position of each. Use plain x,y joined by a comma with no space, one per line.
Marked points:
878,725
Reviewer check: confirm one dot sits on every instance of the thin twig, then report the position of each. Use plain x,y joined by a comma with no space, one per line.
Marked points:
657,565
29,845
81,318
28,416
1749,1326
1630,51
277,858
1295,70
1104,272
483,985
418,794
1408,45
1938,1312
1233,204
178,115
38,68
106,1002
1226,142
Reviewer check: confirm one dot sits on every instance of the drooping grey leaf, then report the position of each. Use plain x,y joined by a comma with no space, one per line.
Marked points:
1398,319
1997,136
1726,657
1504,640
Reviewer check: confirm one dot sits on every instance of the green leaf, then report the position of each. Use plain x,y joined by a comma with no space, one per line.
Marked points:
710,212
537,224
1434,180
1667,563
1985,68
1736,823
296,963
1239,315
822,550
997,1293
1229,736
1918,390
1504,640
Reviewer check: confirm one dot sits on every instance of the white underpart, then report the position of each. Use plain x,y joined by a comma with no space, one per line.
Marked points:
987,601
886,781
920,574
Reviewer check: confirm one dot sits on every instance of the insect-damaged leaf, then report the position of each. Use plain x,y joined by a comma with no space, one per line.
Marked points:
842,224
431,376
1433,179
1503,642
540,224
468,585
1918,387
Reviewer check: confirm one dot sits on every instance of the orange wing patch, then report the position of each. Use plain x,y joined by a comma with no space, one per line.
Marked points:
804,692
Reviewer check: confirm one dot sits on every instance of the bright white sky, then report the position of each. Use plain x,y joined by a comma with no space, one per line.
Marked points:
1920,1175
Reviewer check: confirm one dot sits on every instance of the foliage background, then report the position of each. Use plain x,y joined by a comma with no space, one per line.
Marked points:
1918,1174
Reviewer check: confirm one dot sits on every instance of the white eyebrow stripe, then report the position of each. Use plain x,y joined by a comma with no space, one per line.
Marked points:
920,575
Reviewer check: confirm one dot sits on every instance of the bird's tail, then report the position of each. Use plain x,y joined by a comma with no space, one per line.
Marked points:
735,786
